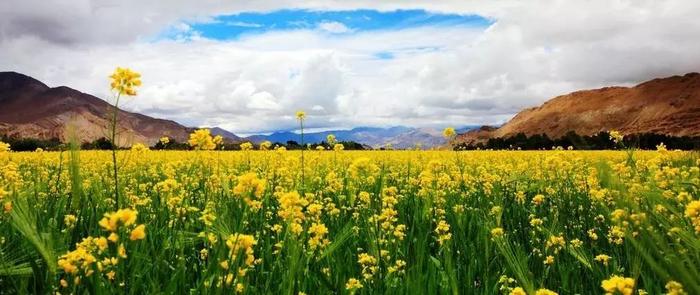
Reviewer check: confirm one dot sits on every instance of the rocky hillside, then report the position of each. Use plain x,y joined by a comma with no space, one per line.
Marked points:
30,109
668,106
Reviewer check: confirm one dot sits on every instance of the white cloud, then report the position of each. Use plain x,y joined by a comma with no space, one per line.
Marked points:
434,75
333,27
244,24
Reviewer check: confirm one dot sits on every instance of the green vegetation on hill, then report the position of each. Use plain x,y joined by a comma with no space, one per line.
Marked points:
600,141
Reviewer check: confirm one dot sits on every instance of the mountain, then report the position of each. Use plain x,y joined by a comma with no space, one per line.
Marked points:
669,106
399,137
225,134
30,109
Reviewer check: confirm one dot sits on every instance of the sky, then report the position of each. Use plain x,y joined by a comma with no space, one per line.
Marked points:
248,66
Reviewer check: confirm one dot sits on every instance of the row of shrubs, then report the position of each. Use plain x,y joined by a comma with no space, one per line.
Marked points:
600,141
55,144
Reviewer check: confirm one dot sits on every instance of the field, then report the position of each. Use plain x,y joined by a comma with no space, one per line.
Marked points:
341,222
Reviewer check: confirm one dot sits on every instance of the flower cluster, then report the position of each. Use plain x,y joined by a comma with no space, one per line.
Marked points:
251,188
4,147
125,81
101,254
201,139
618,285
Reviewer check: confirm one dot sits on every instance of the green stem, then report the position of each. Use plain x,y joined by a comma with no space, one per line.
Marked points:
114,152
301,126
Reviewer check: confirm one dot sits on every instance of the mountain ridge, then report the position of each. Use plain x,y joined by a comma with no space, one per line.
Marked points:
31,109
400,137
669,106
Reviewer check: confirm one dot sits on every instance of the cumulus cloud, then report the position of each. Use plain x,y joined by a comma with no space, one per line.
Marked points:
421,76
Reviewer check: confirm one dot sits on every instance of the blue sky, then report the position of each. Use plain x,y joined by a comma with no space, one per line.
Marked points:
227,27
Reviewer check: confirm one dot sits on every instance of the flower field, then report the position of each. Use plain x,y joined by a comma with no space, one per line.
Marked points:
422,222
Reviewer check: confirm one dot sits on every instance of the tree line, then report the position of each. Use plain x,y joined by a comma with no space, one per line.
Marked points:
599,141
31,144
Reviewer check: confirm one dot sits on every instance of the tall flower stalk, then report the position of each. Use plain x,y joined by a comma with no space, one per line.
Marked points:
124,82
301,115
449,134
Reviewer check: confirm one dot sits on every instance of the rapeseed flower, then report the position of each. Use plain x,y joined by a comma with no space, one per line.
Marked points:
618,285
449,133
692,211
138,233
353,284
4,147
125,81
201,139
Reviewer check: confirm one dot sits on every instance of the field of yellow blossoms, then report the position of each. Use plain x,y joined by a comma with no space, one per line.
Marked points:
342,222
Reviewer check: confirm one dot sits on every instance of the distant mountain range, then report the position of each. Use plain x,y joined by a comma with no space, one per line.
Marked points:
399,137
668,106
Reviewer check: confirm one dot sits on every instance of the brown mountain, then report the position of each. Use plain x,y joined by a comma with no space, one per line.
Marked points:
30,109
668,106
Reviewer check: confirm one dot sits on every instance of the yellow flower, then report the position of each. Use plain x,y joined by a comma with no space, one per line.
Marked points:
624,286
239,242
330,139
138,148
4,147
353,284
443,231
246,146
301,115
497,232
125,81
555,242
218,140
249,184
538,199
661,147
127,216
201,139
448,133
603,258
675,288
111,221
69,220
291,206
517,291
616,136
544,291
368,263
121,251
692,211
549,260
138,233
317,231
101,243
